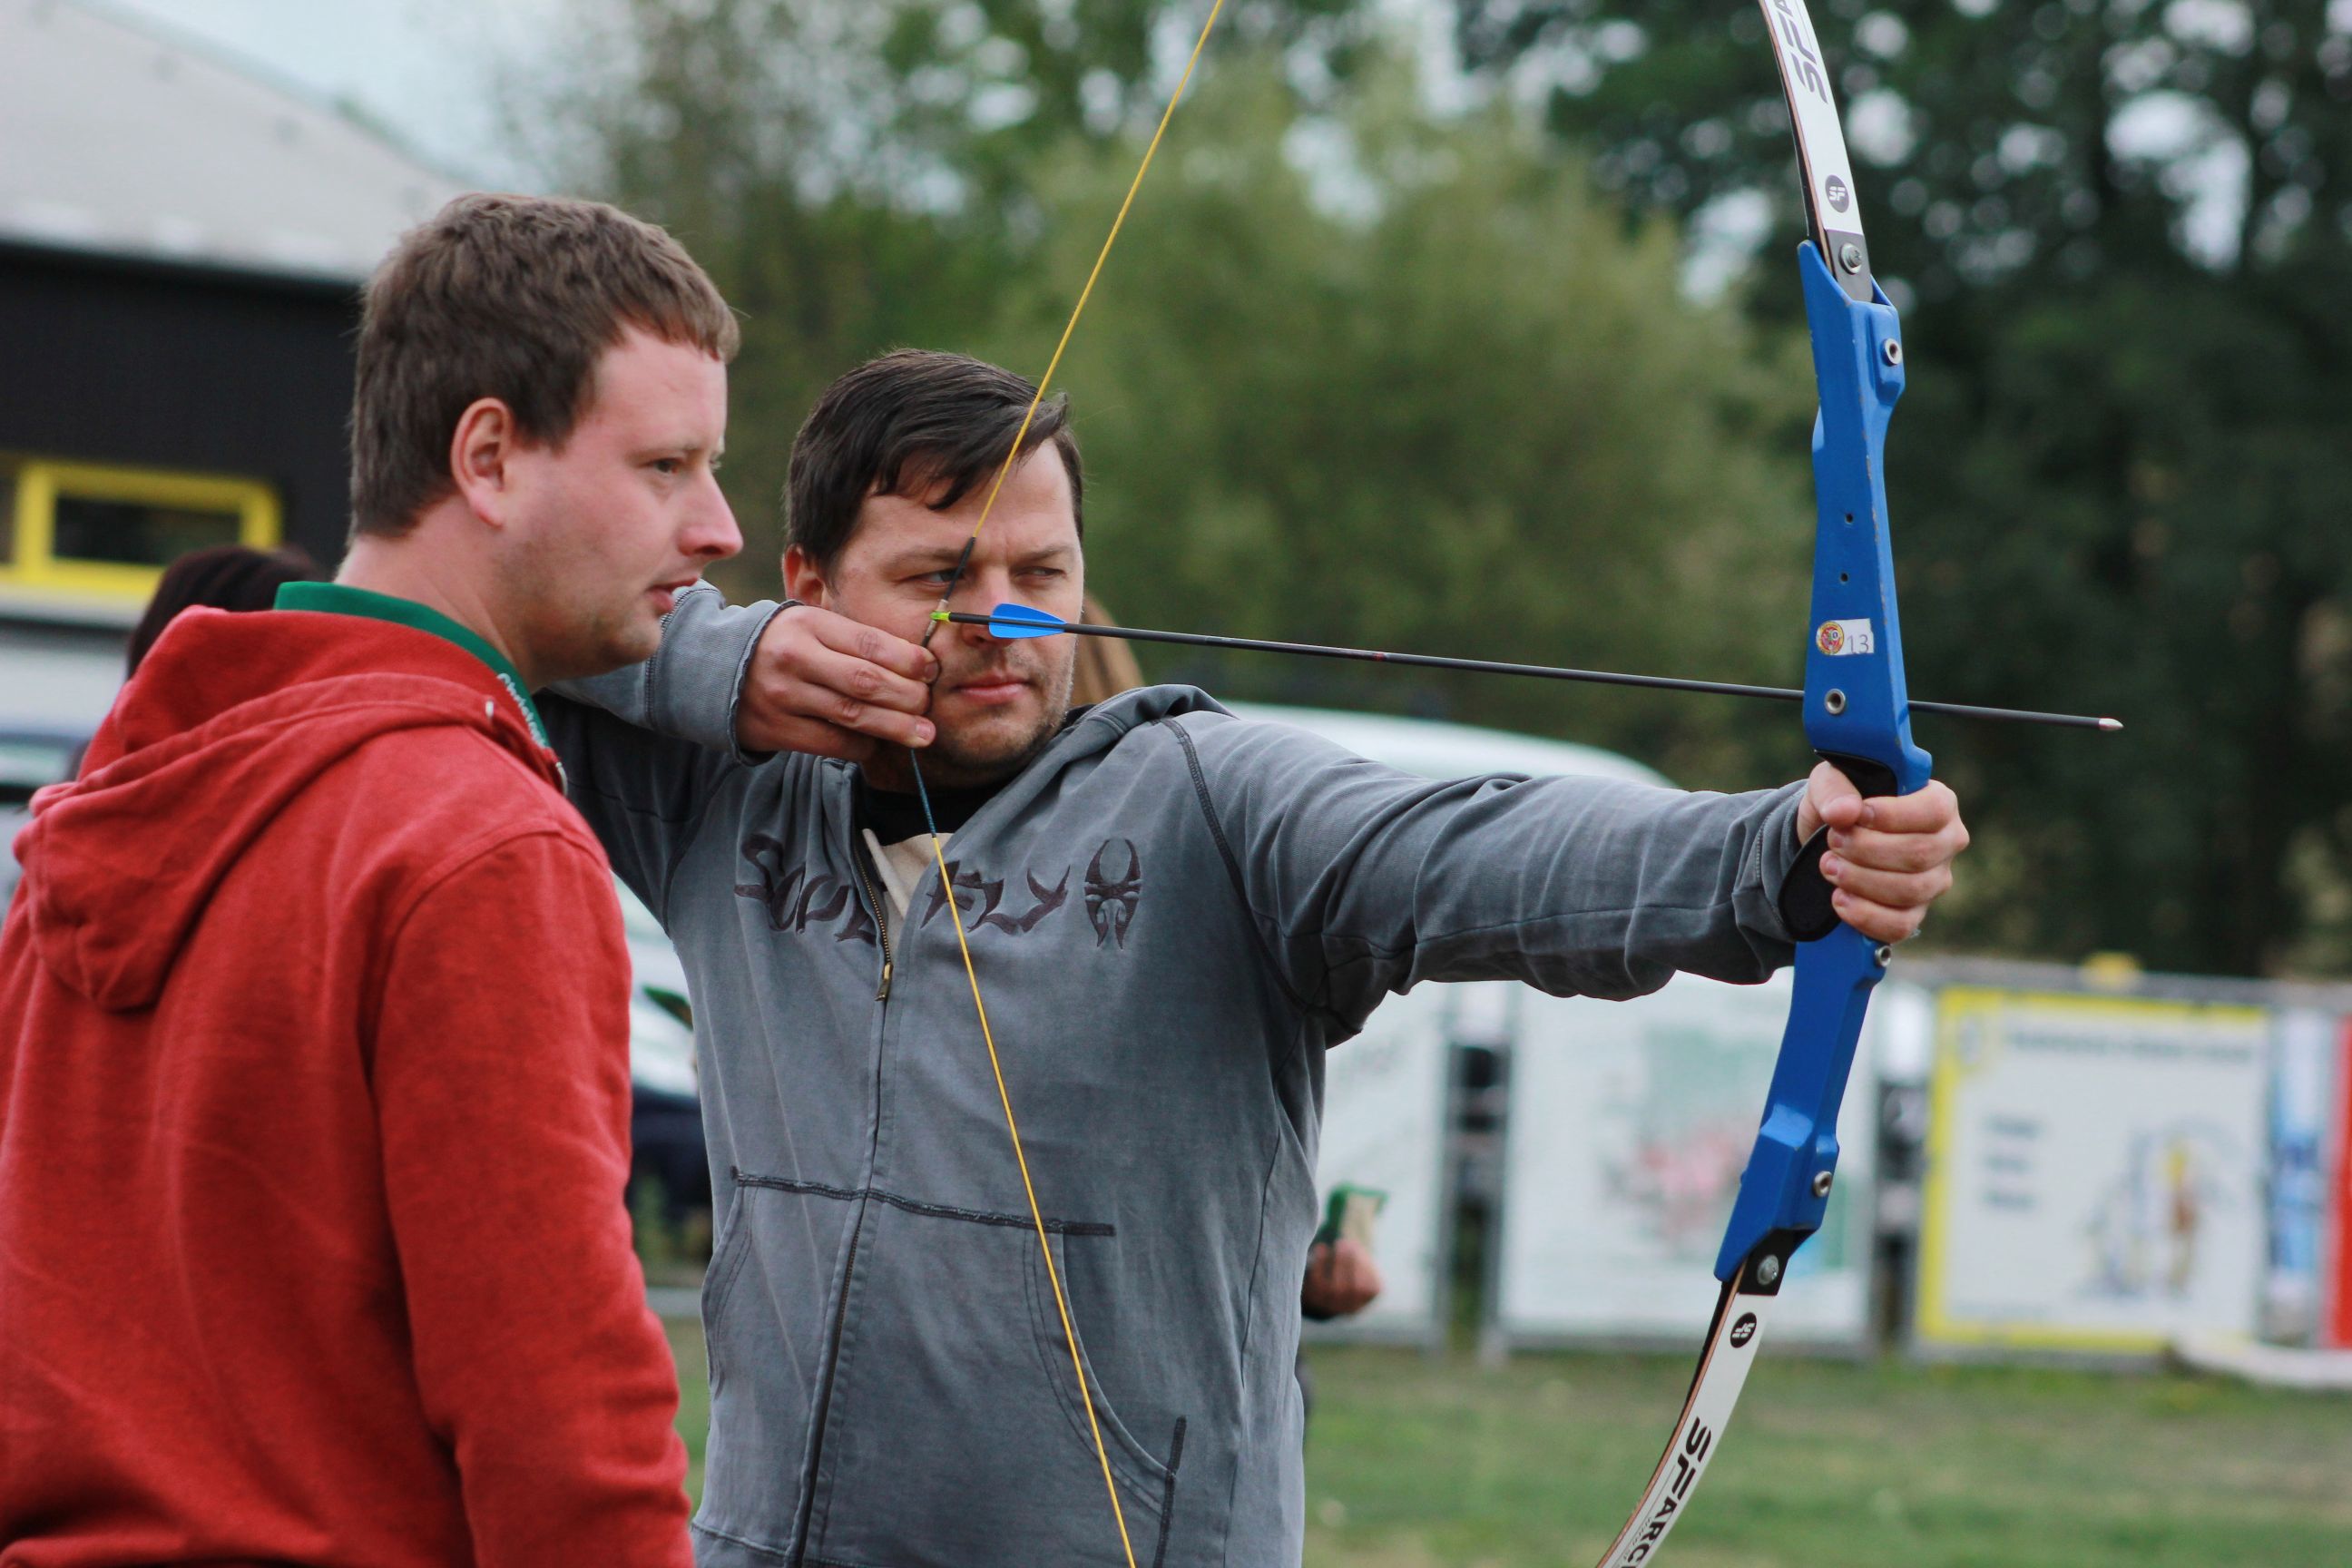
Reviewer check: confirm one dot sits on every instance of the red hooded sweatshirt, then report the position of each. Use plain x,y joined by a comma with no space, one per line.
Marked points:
314,1103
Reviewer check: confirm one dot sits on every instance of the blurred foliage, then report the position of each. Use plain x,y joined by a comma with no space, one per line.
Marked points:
1367,371
1449,406
1355,372
2120,231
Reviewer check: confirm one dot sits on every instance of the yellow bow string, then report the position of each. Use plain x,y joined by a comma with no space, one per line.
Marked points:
938,853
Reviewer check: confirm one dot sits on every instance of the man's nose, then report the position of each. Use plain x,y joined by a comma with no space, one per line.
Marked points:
711,534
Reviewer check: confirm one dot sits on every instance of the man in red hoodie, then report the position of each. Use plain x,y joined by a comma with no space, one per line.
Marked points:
313,1039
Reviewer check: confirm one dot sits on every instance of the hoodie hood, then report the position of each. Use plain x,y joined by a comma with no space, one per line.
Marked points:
229,718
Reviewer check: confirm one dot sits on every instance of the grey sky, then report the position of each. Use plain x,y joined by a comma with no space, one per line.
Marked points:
422,67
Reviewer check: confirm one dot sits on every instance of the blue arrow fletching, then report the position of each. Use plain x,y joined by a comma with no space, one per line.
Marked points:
1011,620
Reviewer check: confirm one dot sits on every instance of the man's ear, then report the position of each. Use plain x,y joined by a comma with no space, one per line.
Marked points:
481,455
803,579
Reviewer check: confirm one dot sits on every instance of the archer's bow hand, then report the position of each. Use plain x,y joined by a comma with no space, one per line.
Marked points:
1889,857
822,683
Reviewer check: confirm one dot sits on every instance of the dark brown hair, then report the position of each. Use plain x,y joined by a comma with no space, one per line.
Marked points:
223,577
514,298
933,427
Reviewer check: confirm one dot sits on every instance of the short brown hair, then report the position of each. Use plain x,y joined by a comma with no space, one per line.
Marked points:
514,298
927,425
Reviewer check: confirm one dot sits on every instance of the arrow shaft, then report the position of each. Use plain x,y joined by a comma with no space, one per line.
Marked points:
1540,672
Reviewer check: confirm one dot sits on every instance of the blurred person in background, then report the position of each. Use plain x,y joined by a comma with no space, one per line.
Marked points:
314,1085
221,577
1170,912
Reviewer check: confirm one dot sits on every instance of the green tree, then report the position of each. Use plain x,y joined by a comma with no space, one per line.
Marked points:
1424,392
1358,372
2120,231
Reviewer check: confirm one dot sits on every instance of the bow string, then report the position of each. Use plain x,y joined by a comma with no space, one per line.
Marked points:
922,791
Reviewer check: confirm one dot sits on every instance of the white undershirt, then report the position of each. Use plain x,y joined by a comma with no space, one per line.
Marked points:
902,865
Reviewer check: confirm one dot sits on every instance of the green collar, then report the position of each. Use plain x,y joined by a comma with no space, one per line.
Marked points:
335,599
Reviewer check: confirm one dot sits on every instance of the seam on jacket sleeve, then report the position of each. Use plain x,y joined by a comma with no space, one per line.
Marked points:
1233,863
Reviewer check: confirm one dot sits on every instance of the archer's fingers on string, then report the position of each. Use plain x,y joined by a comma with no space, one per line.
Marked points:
798,702
849,675
872,645
907,730
820,739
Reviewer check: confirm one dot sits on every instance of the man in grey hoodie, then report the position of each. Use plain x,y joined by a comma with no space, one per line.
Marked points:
1171,914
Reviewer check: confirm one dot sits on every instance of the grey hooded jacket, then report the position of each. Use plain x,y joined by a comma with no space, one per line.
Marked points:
1174,913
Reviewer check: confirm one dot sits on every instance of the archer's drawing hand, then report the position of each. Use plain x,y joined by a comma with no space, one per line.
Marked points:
1341,1279
822,683
1889,857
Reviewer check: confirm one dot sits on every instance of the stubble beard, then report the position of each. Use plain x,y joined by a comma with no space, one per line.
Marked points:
951,763
578,643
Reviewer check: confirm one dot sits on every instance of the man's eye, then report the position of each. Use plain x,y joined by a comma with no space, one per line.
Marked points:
672,465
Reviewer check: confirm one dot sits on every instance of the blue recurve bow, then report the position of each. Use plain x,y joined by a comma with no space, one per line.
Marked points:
1858,715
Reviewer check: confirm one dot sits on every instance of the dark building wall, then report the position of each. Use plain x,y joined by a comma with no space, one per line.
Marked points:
106,360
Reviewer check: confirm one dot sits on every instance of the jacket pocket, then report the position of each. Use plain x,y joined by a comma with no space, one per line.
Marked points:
726,1262
955,1431
766,1300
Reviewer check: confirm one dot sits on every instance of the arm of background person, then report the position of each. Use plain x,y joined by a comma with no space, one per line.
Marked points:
1363,881
753,680
643,746
501,1076
1342,1279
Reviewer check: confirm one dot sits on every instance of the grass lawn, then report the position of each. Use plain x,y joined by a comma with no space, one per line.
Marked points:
1414,1463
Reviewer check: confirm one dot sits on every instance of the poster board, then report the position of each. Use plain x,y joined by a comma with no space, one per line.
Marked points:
2095,1176
2305,1043
1630,1125
1384,1119
2336,1261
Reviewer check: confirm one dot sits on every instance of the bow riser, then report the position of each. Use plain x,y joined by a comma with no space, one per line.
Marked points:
1856,704
1856,714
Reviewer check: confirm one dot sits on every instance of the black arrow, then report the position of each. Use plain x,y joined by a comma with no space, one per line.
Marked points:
1016,621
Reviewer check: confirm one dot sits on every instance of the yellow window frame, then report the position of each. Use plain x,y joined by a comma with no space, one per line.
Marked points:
41,483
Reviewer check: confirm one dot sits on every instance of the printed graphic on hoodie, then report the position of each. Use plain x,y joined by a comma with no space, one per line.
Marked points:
799,901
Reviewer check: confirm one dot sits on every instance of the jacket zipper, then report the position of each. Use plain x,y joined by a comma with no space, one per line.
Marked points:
881,921
856,1234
